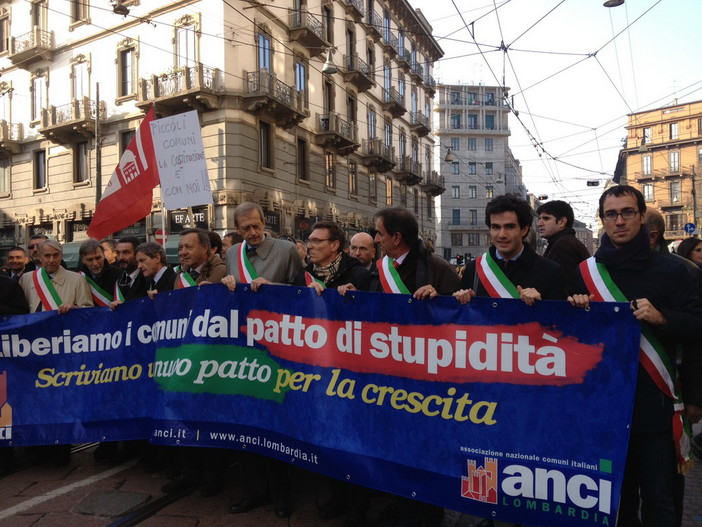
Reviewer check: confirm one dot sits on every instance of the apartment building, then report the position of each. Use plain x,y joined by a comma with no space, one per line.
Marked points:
663,155
476,164
77,77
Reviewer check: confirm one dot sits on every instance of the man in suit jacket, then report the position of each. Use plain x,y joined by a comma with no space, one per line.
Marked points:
198,259
16,261
72,289
131,282
275,261
96,268
151,261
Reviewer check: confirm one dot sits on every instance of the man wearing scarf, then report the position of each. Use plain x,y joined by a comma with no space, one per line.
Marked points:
663,297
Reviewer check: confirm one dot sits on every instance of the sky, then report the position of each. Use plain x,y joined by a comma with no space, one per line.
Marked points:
574,70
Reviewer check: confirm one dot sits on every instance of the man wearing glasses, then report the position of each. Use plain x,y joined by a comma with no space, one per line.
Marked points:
663,297
33,248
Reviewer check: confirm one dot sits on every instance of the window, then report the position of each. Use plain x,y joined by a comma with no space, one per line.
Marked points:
472,97
81,162
124,139
388,132
79,10
646,165
489,192
456,192
415,194
264,52
490,99
126,72
371,124
472,121
372,186
5,187
39,96
699,155
4,31
39,169
456,239
472,192
455,168
265,145
488,168
353,178
488,144
472,168
81,80
39,14
5,101
673,128
430,208
329,170
674,222
490,122
388,191
675,191
455,143
351,106
456,121
301,81
674,161
456,217
303,164
403,195
328,23
647,190
473,239
473,213
455,97
472,143
186,50
699,126
646,139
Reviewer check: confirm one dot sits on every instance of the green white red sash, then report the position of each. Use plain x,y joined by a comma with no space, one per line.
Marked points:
119,296
100,296
390,278
310,279
493,278
50,299
184,280
247,273
652,355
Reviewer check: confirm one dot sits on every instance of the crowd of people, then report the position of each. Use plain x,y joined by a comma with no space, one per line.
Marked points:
663,290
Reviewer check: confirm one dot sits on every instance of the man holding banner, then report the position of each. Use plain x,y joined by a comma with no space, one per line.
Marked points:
663,298
100,275
511,268
198,263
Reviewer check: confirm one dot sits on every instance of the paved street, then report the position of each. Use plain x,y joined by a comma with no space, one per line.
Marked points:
86,494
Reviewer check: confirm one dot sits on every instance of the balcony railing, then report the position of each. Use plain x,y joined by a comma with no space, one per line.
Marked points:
356,8
63,123
11,137
408,170
433,184
417,69
429,83
375,24
358,72
390,41
337,132
36,45
267,94
394,102
307,29
419,123
175,88
377,154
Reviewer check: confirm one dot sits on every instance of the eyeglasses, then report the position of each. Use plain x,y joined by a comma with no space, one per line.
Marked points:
627,214
317,241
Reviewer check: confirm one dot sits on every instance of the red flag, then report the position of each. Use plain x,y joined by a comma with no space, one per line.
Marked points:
128,195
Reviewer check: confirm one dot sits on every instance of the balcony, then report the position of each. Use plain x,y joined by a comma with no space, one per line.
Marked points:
433,184
31,47
307,30
374,25
70,122
420,124
11,137
394,102
358,73
390,43
404,58
408,171
429,84
355,8
192,87
417,71
377,155
266,95
337,133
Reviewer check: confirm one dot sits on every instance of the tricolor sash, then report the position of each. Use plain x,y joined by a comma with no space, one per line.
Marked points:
247,273
184,280
493,278
100,296
389,277
310,279
50,299
652,355
119,296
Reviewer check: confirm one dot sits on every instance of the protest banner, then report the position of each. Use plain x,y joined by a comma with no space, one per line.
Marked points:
495,408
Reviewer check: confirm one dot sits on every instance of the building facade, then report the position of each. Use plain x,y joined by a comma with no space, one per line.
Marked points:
476,164
663,155
78,76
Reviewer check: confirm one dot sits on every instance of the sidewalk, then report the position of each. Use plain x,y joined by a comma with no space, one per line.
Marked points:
85,494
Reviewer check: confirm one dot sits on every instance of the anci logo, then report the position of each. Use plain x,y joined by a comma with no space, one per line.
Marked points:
481,482
5,409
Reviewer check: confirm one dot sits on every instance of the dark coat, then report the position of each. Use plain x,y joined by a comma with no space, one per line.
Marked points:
12,299
107,279
167,280
138,289
350,272
529,270
567,251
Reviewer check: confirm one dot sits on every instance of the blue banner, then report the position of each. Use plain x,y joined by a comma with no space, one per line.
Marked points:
519,413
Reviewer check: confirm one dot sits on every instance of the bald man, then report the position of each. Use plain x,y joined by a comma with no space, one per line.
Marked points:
363,249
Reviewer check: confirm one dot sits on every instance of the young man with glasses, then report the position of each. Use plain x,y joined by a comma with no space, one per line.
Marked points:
663,297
